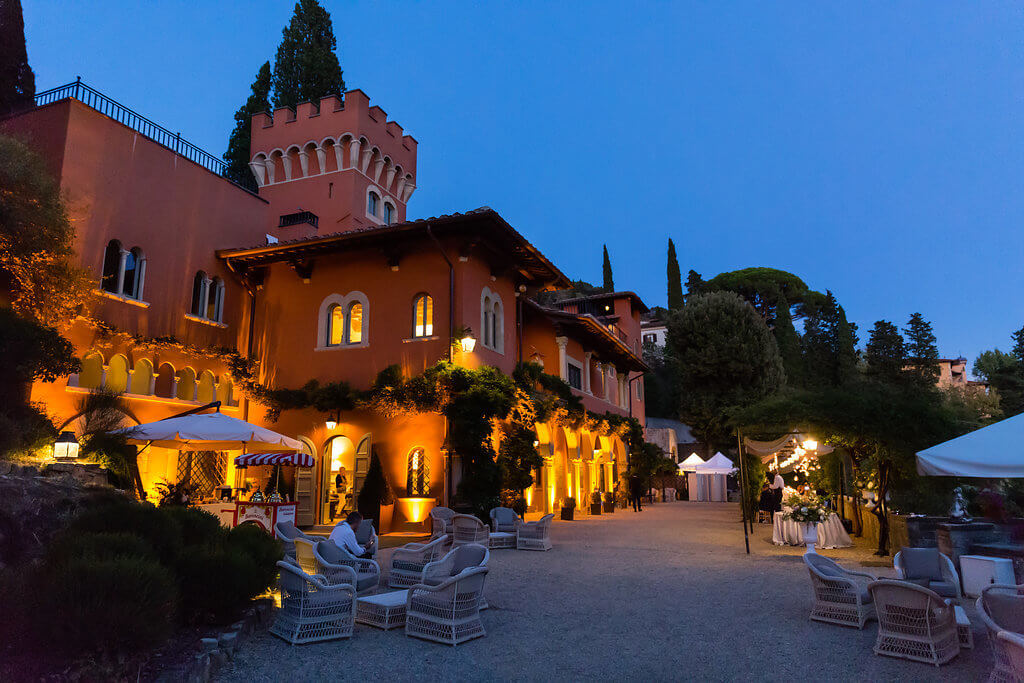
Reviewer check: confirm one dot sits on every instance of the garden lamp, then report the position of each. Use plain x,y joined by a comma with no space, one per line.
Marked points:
66,446
468,343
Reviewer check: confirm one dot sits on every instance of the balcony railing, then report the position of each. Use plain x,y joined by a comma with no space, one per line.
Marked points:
298,218
137,122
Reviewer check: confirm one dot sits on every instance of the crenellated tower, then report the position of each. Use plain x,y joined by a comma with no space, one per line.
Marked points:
345,163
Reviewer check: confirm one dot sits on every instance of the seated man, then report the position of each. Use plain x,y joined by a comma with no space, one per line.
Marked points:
344,536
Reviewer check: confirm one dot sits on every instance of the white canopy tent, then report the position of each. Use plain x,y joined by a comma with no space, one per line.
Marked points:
708,480
692,462
995,452
208,432
718,464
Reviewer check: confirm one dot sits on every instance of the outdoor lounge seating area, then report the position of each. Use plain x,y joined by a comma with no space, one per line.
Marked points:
919,614
434,589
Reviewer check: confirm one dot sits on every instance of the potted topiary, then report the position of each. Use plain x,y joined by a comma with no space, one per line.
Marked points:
568,508
375,499
609,502
595,503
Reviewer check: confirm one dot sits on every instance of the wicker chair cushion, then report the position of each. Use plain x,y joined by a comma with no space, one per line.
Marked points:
331,552
468,556
364,534
943,588
921,563
1006,610
865,596
364,581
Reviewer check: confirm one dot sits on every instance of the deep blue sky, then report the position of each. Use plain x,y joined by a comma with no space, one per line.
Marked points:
873,149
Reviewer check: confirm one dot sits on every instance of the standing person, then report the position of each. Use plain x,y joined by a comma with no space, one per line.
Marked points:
344,536
636,490
777,485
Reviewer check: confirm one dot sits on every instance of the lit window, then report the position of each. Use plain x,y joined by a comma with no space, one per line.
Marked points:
417,480
336,329
372,200
423,316
389,213
355,324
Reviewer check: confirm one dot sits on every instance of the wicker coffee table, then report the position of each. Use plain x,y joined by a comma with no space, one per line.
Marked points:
383,610
502,539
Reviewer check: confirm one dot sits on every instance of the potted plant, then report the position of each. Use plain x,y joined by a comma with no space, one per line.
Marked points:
808,510
609,502
595,503
375,499
568,508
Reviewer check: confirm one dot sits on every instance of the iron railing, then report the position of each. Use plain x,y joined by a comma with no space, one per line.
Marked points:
297,218
137,122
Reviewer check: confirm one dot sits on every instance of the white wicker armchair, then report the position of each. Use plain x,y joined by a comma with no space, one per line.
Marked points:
1001,608
504,524
366,536
408,561
337,565
535,535
449,612
840,595
286,532
929,568
304,556
456,561
1012,644
469,529
914,622
311,610
444,516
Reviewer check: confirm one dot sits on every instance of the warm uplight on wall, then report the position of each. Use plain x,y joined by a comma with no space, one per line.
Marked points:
811,445
468,343
66,446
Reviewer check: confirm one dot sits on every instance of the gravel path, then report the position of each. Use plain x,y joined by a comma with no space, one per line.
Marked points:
664,594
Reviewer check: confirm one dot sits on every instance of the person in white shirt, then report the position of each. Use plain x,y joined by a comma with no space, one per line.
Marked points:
344,536
777,485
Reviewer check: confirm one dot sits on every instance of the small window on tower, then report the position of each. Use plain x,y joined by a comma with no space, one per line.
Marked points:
389,213
372,200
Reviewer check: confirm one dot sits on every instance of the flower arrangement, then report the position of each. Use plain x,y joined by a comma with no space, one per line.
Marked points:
809,509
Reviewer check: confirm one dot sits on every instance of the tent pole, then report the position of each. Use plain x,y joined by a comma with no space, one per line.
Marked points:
743,490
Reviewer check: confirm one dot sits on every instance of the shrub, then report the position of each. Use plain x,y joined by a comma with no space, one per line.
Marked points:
216,582
109,606
263,551
98,546
375,491
154,526
198,527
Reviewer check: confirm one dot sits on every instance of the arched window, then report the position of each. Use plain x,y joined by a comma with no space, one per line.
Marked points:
343,321
134,268
389,212
199,287
164,385
417,479
423,316
111,267
372,200
336,325
492,322
355,324
215,305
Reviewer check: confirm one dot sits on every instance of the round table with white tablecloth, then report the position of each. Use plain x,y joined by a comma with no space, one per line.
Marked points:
831,533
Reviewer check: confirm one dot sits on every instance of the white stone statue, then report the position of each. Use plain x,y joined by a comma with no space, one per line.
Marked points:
958,513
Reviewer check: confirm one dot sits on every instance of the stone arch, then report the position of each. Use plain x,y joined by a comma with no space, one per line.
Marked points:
164,385
275,166
312,161
117,374
186,389
225,391
206,387
142,377
91,374
292,168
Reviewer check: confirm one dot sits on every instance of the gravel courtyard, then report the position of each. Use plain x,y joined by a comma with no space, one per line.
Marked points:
664,594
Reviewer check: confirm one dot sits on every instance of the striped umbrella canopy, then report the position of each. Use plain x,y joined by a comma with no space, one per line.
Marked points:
296,459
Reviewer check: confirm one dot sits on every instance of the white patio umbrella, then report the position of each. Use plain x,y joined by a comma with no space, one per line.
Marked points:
691,463
995,451
717,464
209,432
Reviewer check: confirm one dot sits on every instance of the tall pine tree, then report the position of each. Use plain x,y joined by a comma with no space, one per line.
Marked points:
885,354
17,82
694,283
788,341
238,154
675,279
306,67
606,270
922,352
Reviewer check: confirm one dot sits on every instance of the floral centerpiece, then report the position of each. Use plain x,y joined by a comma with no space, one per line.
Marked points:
808,509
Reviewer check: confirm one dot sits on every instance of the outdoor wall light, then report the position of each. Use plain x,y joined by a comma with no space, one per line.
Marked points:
468,343
66,446
330,424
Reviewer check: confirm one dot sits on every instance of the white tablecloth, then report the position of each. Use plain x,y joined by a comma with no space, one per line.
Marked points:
831,533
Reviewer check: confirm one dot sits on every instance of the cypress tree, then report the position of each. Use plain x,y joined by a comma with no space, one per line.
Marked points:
17,82
675,282
885,354
306,67
922,351
606,270
788,341
238,154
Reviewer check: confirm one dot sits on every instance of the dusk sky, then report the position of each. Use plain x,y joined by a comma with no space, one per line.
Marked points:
872,150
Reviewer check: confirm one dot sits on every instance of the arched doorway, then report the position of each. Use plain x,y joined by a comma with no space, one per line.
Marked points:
337,484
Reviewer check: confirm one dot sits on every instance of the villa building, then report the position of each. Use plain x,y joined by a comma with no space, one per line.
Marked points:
315,273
